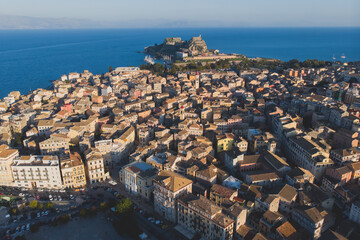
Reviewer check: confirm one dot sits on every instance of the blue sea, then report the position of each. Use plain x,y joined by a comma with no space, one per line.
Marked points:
29,59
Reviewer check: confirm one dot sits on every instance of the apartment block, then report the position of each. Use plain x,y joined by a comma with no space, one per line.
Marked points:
73,171
199,215
95,168
37,171
7,157
168,187
57,144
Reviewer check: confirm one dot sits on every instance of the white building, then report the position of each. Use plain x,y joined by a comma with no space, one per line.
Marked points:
168,187
310,219
138,178
37,171
7,157
73,76
309,155
95,168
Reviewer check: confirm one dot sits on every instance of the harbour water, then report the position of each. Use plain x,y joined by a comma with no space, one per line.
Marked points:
29,59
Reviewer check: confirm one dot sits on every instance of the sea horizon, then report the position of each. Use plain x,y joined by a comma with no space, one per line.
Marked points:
172,28
31,58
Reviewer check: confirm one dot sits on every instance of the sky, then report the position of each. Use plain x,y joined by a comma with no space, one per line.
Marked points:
187,13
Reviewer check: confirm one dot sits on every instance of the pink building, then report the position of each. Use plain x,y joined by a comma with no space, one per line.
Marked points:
67,107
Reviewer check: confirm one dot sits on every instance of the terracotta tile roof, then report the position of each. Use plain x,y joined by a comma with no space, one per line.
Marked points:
222,220
347,152
172,181
288,193
7,153
244,230
286,230
264,176
276,161
259,236
223,191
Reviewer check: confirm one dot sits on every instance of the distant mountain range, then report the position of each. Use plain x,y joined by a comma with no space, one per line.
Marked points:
25,22
22,22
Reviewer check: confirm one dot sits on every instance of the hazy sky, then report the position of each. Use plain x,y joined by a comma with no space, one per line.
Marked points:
195,12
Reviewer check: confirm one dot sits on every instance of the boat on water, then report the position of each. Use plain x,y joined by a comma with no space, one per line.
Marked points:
343,56
333,57
149,60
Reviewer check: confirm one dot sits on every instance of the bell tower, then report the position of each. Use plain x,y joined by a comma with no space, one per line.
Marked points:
182,112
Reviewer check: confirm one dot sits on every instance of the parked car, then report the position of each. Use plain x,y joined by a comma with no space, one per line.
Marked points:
28,226
112,182
50,197
71,197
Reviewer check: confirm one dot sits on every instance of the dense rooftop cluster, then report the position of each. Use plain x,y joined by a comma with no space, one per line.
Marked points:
255,154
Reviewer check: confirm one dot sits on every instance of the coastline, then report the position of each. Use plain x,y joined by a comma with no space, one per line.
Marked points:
48,54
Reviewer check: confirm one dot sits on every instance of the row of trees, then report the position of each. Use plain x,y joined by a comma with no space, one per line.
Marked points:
162,70
243,64
310,63
35,204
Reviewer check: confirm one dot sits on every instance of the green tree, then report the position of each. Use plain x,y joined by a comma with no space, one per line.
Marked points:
111,69
18,139
124,208
14,211
49,205
33,204
40,206
126,222
103,206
